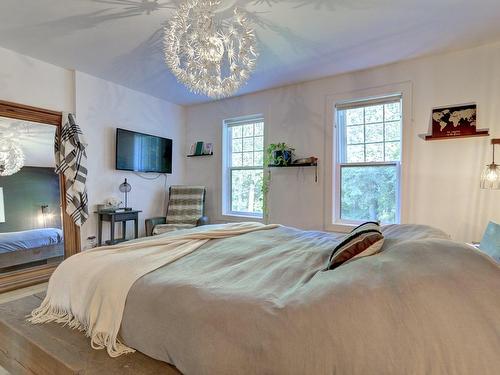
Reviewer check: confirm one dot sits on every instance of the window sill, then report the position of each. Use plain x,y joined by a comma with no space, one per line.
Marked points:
341,227
238,218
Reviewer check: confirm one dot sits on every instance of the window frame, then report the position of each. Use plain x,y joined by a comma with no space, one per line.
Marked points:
227,168
331,220
341,144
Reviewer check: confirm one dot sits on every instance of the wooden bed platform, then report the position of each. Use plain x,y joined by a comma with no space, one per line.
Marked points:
50,349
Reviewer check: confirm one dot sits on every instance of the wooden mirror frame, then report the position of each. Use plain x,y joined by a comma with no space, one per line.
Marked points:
39,274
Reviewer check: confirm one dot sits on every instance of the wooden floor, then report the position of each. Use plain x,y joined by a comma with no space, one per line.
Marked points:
52,349
24,292
17,294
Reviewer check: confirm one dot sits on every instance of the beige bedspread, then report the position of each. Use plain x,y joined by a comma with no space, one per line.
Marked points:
261,304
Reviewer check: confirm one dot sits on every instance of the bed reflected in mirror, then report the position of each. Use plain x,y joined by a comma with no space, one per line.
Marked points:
30,198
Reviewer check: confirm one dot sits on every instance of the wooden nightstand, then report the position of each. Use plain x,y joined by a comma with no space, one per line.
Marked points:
115,217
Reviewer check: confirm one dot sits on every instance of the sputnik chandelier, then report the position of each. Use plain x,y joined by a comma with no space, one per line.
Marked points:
209,56
11,157
11,154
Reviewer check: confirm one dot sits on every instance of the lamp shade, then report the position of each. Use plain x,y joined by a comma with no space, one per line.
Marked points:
2,207
490,178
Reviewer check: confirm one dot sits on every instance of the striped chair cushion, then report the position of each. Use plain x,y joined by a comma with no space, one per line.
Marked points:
364,240
185,204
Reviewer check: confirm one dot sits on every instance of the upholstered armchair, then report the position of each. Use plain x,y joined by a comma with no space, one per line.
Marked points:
186,209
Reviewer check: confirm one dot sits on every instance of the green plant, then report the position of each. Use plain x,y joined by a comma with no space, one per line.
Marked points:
274,155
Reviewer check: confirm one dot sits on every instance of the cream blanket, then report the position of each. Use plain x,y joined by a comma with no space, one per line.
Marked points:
88,290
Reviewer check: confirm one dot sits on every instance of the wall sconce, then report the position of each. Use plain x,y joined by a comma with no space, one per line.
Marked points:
46,214
490,178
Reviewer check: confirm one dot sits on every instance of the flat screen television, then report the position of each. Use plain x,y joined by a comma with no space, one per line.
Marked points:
141,152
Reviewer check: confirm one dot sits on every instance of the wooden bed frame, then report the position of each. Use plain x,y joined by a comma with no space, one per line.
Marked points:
25,256
50,349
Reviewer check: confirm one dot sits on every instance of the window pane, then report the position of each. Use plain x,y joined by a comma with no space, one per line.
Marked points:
374,113
355,134
258,143
374,152
393,151
368,193
236,159
237,131
259,128
392,131
258,159
392,111
354,116
355,154
247,144
237,145
248,159
374,132
246,191
248,130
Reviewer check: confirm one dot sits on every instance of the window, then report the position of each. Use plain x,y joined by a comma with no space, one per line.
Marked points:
368,160
243,167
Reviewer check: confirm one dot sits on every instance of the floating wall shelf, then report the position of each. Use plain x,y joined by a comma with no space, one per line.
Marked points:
480,133
293,165
298,165
192,156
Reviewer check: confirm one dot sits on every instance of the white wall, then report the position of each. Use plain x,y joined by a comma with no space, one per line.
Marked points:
101,107
443,176
33,82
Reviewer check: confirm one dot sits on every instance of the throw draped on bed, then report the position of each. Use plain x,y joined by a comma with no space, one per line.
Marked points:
88,290
71,161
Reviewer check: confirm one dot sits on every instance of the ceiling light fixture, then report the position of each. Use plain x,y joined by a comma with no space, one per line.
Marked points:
490,178
210,56
11,157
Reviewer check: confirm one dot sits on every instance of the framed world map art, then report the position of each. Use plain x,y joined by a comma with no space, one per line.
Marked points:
455,121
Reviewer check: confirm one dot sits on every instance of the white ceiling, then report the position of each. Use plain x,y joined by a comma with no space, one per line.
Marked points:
35,140
120,40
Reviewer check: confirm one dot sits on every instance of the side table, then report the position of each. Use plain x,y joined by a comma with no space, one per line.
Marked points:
114,217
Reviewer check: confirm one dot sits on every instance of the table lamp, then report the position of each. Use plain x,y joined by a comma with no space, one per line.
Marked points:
125,189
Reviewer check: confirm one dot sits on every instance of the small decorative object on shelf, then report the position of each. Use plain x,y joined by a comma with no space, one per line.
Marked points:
454,122
125,189
201,149
310,161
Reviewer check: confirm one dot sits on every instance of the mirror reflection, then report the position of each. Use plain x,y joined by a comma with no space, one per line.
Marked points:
30,201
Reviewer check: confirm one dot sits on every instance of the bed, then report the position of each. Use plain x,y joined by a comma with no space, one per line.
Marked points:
261,303
22,247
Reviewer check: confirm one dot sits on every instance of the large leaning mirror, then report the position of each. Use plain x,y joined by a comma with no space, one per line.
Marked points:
35,232
30,197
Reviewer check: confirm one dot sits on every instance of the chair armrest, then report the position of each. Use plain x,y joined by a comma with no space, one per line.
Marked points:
150,224
202,221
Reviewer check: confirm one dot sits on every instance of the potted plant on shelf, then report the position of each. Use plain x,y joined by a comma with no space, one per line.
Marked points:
279,154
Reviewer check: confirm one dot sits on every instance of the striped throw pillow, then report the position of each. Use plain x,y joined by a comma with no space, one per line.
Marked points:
364,240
